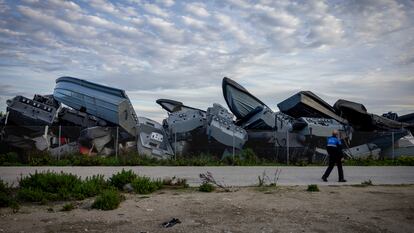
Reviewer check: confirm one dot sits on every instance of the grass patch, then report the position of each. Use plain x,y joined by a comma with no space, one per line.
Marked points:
68,207
52,186
49,186
206,187
107,200
122,178
246,157
144,185
400,161
7,198
313,188
91,186
9,159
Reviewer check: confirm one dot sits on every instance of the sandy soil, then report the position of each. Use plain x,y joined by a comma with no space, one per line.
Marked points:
282,209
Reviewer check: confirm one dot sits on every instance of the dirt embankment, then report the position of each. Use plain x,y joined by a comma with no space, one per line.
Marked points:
282,209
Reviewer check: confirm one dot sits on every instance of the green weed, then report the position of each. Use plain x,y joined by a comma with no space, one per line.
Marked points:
206,187
107,200
68,207
144,185
122,178
313,188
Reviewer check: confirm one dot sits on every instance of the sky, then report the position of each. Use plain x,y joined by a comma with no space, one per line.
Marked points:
359,50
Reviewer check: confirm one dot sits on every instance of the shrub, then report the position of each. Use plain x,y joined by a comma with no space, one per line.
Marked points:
39,158
406,161
107,200
4,188
10,158
122,178
91,186
206,187
35,195
51,182
313,188
4,199
51,186
5,195
248,157
68,207
144,185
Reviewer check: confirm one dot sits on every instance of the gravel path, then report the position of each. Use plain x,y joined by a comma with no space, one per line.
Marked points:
238,176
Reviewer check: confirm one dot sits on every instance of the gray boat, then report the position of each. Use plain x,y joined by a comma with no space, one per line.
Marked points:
107,103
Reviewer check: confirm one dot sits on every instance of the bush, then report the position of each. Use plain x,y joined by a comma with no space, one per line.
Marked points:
107,200
35,195
400,161
406,160
313,188
6,198
206,187
4,188
91,186
68,207
49,185
144,185
10,158
122,178
248,157
39,158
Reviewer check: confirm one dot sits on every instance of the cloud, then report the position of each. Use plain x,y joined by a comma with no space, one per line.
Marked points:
181,50
197,9
103,6
154,9
193,22
167,3
165,29
48,21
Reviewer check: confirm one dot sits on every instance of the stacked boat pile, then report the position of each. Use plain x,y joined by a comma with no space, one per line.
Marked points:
93,119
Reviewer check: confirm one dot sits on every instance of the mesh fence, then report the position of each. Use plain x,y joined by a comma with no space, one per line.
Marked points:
112,141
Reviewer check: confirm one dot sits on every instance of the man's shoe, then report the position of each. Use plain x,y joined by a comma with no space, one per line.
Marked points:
342,180
324,179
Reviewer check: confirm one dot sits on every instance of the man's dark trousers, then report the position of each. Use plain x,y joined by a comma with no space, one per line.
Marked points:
335,157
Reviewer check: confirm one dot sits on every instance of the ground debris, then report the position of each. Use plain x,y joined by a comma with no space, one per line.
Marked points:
171,223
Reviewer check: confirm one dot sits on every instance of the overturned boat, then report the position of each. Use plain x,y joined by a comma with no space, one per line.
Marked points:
194,131
107,103
307,104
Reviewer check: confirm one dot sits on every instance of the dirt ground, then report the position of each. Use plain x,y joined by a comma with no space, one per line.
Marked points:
281,209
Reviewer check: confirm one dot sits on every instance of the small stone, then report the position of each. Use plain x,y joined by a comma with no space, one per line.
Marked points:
128,188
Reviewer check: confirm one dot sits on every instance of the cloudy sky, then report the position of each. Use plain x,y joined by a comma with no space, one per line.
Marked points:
361,50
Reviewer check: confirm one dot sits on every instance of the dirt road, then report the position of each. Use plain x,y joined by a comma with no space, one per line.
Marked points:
282,209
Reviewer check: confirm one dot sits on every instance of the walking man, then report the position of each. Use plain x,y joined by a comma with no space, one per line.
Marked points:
334,148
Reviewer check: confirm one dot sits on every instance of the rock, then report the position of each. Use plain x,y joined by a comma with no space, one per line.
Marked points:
128,188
